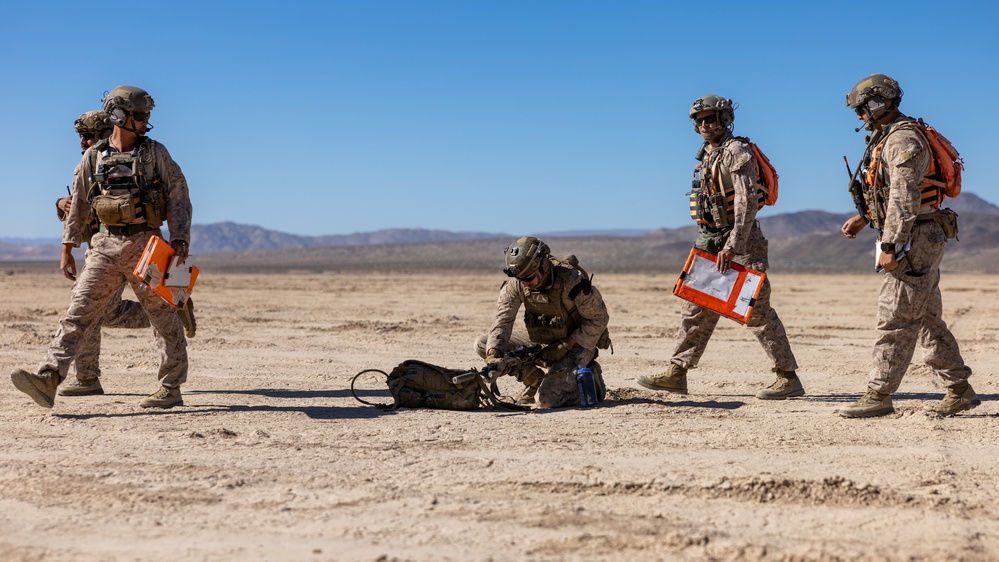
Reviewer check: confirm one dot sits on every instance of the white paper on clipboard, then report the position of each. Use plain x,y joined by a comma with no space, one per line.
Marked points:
705,277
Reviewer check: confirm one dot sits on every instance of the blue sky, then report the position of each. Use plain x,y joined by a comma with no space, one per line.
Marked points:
495,116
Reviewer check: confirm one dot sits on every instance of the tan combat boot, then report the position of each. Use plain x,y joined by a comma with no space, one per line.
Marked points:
673,380
787,385
870,405
165,397
527,397
186,314
959,398
41,387
77,387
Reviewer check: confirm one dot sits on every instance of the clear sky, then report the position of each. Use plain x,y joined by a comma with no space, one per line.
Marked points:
497,116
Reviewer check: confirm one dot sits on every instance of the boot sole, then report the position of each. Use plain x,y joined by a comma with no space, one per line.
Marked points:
76,391
661,388
70,392
25,382
793,394
871,414
964,408
171,405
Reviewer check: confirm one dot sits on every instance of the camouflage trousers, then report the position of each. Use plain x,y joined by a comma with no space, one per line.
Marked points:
110,261
120,314
558,387
697,324
910,310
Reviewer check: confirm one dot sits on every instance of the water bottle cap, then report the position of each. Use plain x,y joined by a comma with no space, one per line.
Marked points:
583,370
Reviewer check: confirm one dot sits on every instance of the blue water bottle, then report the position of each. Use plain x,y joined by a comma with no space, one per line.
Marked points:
587,387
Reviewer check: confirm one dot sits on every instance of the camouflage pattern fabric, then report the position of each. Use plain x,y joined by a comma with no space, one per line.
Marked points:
745,238
112,259
910,307
906,157
558,389
158,164
697,324
120,314
591,308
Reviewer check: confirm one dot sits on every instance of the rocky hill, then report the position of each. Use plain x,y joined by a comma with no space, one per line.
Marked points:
802,241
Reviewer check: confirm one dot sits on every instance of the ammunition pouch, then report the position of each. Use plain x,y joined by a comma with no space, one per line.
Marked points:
545,328
718,209
947,219
114,210
153,204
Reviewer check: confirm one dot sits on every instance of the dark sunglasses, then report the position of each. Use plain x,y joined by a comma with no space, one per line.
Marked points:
511,273
138,116
88,136
709,119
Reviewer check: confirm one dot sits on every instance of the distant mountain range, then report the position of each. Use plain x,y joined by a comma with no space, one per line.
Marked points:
801,241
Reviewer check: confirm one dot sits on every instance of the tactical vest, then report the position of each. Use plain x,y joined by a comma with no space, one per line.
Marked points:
122,192
712,194
550,315
876,188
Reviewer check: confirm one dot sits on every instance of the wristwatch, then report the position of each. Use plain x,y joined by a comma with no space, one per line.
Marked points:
887,248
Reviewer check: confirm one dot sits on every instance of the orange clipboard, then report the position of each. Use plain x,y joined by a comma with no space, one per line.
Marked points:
732,294
157,268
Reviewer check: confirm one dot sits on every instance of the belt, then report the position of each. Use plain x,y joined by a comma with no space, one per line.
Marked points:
125,230
926,218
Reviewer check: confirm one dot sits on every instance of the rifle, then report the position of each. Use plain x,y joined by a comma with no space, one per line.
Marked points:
509,365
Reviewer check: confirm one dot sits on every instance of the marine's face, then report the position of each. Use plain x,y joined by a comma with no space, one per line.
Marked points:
536,281
706,123
87,140
138,122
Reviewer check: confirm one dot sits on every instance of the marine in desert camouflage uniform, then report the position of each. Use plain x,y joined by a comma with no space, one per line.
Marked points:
137,185
730,230
910,308
94,126
562,310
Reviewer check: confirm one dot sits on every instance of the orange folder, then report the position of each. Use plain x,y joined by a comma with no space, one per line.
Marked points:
157,268
732,294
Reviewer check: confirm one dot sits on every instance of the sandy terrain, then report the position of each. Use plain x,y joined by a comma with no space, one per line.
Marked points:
272,459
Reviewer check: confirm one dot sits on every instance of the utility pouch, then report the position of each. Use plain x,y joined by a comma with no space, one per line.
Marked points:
716,202
114,210
947,219
605,341
154,204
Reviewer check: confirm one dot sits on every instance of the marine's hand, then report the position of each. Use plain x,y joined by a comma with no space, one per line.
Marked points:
179,249
724,261
64,204
887,261
555,351
67,263
494,356
852,227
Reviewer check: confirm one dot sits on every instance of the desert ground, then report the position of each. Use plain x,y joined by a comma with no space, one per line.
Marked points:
272,459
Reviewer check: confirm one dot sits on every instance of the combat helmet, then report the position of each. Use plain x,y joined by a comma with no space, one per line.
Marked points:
94,123
123,101
874,85
723,107
871,96
525,257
